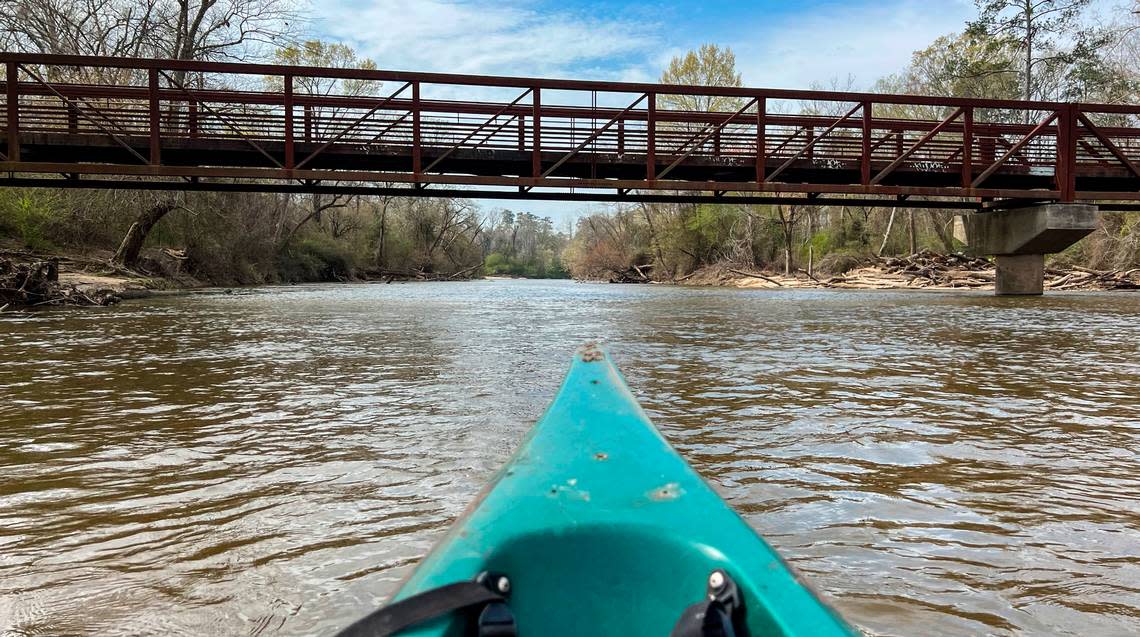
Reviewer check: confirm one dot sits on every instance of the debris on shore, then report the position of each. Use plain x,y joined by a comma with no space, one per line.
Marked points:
30,280
633,274
37,283
923,270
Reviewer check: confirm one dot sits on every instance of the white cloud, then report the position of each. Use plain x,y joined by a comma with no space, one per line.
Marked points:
483,36
861,41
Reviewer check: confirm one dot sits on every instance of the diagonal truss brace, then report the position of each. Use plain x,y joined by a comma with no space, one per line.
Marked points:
919,144
716,129
320,149
1037,130
79,111
478,128
596,134
1107,143
812,143
389,127
190,95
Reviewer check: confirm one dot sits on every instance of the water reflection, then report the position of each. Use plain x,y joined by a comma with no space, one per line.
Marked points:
274,461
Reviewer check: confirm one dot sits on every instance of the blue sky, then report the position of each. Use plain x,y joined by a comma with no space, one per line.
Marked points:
778,44
792,44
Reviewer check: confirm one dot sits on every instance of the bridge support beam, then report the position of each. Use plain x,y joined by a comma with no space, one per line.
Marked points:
1020,239
1019,274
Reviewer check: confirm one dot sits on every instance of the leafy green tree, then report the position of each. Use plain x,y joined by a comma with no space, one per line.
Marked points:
316,53
709,65
959,65
522,244
1038,29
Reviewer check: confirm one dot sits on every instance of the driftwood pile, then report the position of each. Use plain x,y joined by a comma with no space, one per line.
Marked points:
633,274
930,270
925,269
424,275
36,283
1078,278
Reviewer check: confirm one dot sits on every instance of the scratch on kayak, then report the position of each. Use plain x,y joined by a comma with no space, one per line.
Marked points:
670,491
601,455
570,490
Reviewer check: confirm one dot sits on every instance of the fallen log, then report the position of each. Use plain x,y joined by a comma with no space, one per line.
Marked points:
632,274
811,276
756,275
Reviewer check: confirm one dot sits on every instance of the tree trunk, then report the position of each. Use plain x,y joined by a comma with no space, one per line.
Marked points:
940,231
913,234
1028,56
751,230
787,221
128,253
380,240
811,244
887,234
655,242
787,250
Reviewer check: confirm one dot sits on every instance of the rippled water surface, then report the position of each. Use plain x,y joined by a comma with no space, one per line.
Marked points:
274,461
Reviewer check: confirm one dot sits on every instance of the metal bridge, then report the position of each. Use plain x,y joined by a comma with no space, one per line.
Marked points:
93,122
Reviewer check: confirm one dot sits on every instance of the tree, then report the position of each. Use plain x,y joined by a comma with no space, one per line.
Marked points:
787,216
709,65
128,253
177,29
1038,29
683,236
316,53
959,65
221,29
324,122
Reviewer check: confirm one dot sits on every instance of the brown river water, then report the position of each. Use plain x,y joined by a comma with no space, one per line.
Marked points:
275,460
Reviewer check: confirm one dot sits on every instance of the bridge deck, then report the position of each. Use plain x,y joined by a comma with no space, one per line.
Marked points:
99,122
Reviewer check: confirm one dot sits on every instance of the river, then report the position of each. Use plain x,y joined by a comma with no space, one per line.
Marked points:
275,460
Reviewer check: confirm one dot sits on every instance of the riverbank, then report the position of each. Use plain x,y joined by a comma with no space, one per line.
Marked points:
33,279
29,279
922,271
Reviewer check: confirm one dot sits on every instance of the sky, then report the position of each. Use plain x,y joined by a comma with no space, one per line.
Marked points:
778,44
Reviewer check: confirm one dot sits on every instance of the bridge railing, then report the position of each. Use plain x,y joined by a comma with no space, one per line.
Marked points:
143,107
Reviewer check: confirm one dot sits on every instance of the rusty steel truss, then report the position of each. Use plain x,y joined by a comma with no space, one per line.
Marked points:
92,122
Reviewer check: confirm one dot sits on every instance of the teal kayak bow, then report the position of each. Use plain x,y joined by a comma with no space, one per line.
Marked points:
596,526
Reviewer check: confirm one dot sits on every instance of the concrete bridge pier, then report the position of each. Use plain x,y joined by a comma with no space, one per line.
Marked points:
1019,240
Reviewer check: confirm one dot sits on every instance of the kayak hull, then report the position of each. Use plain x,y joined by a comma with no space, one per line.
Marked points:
603,529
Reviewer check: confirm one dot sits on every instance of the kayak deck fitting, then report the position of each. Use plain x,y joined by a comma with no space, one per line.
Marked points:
596,526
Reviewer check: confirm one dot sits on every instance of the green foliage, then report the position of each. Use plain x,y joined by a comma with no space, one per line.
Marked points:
959,65
710,65
29,215
317,258
1054,45
523,244
711,224
498,264
315,53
